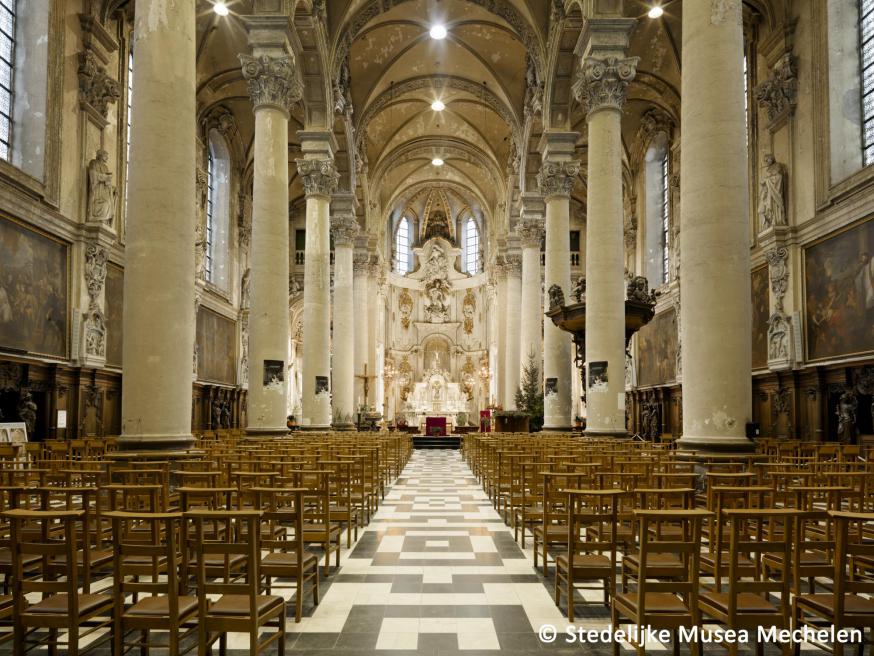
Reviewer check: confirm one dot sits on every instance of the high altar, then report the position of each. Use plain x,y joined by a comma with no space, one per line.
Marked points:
436,396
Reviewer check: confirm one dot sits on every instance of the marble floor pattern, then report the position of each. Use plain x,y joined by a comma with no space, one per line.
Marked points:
437,573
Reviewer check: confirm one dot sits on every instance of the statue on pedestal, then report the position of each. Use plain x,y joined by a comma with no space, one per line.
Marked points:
102,194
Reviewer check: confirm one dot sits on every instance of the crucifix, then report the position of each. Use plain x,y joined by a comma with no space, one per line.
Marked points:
366,380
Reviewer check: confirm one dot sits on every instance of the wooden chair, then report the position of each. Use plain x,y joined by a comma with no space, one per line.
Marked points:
62,607
849,605
318,527
287,557
241,608
587,559
664,604
746,604
156,560
553,530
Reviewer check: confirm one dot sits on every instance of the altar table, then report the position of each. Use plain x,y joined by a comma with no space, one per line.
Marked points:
435,426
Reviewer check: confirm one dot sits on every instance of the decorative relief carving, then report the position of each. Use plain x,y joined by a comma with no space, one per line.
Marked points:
779,274
405,306
602,83
779,332
220,119
319,176
246,289
468,309
533,89
530,232
272,81
779,93
102,194
343,90
437,292
654,121
344,229
96,88
579,293
638,290
95,321
557,178
244,222
295,288
772,194
244,348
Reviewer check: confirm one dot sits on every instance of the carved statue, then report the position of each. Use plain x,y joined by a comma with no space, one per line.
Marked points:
772,195
437,263
102,194
556,297
27,410
579,292
846,412
651,425
638,290
533,90
199,249
226,414
216,414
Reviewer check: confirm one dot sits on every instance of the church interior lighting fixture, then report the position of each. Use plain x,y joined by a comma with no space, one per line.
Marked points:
221,8
437,161
656,11
438,32
438,106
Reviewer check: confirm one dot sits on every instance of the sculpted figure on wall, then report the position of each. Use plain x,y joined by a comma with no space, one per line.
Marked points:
772,195
102,194
437,296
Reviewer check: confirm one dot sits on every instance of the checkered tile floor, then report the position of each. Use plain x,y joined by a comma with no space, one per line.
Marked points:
437,573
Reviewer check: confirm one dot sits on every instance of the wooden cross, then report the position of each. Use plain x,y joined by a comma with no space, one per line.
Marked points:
366,380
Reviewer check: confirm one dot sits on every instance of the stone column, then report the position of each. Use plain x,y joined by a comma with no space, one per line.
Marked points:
530,232
273,88
158,321
513,269
361,265
344,228
319,178
714,223
601,88
556,179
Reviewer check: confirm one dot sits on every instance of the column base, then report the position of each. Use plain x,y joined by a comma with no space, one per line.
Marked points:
165,444
346,426
716,445
598,432
557,429
253,432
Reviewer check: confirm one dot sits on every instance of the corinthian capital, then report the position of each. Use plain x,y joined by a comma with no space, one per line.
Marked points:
319,176
557,178
602,82
344,229
530,233
272,82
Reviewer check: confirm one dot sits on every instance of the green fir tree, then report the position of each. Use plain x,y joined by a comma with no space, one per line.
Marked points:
529,396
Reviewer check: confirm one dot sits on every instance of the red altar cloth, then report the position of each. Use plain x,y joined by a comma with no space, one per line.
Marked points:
435,426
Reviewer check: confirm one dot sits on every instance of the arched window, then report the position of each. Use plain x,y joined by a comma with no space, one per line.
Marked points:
217,212
130,92
658,211
402,247
471,247
866,63
7,74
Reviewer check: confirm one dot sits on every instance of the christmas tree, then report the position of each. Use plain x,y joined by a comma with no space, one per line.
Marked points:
529,396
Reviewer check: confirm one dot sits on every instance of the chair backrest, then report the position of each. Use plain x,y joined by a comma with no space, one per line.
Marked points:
36,533
850,546
241,538
685,546
758,534
593,509
281,507
150,541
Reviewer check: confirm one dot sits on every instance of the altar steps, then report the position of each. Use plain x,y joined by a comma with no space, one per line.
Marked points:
427,442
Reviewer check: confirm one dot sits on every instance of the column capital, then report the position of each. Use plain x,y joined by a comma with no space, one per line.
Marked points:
530,232
513,264
557,178
344,229
361,263
602,82
319,176
272,81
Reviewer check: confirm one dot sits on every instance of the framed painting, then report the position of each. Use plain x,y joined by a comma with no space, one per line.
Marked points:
216,347
761,311
34,291
839,294
657,346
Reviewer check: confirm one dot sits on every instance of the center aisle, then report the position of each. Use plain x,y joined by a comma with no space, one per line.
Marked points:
437,572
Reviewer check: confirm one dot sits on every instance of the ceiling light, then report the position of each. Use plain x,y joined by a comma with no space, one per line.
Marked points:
656,11
437,161
221,8
438,106
438,32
